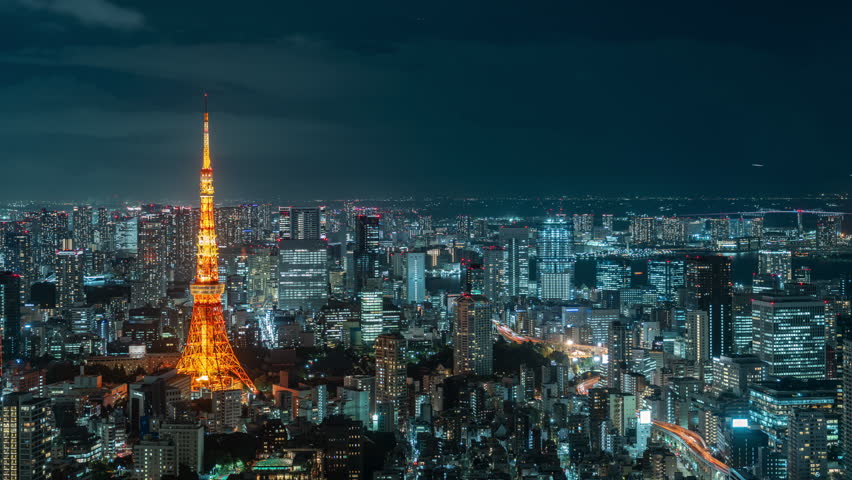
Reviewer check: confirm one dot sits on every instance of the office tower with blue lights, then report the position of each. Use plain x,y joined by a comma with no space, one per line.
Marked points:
789,335
709,288
303,274
371,299
556,259
415,276
516,273
666,277
612,274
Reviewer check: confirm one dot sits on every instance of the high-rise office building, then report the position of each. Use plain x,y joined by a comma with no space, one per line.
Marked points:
807,445
607,221
789,335
10,314
666,277
742,322
371,299
472,339
25,436
776,263
709,288
612,274
828,231
516,274
303,274
698,336
415,276
619,347
301,223
493,261
367,249
390,378
556,259
69,276
126,239
152,258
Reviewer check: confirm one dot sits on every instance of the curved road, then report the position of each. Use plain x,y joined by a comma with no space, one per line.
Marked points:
695,443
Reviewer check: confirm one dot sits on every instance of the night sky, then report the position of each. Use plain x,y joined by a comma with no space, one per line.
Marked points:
331,99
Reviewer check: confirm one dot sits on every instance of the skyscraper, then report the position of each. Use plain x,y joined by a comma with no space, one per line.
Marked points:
776,263
415,274
472,340
828,231
789,335
709,288
371,299
367,250
303,274
492,272
666,277
153,247
69,276
82,227
556,259
612,274
301,223
516,274
25,437
10,307
390,377
807,445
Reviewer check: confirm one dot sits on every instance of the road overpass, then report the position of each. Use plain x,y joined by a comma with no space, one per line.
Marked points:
691,446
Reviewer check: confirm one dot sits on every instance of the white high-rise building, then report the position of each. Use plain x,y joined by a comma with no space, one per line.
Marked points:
415,273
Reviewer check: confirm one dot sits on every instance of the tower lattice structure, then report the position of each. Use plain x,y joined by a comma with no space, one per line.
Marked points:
208,357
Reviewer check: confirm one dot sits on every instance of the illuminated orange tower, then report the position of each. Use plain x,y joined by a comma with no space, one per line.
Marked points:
208,357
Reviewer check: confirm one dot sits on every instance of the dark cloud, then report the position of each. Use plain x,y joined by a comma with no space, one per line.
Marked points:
95,13
355,99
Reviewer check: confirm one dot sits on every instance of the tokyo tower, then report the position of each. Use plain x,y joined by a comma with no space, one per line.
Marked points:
208,357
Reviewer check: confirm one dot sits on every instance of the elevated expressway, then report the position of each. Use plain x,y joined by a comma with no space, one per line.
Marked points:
691,446
569,348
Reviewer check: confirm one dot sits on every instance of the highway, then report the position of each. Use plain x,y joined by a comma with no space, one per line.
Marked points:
584,386
696,444
573,350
